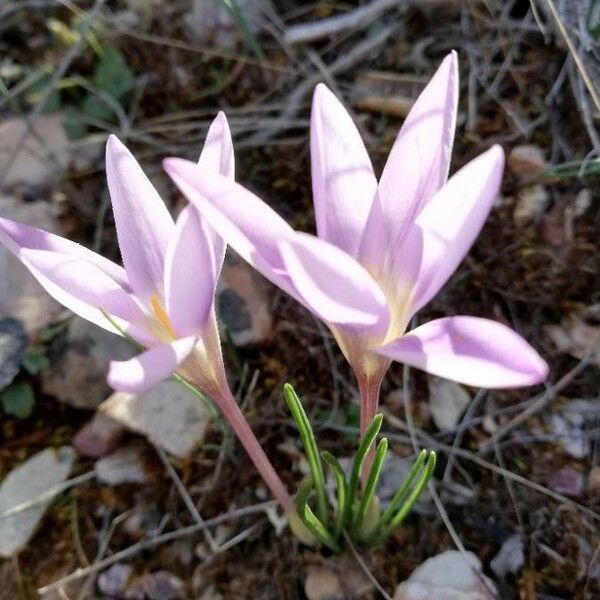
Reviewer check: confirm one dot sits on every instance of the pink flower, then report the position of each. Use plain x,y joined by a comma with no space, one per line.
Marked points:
163,298
384,249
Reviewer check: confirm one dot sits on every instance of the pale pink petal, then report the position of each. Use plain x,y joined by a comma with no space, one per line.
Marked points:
217,154
248,225
16,236
451,221
470,350
333,285
190,274
343,181
417,166
150,367
82,287
144,225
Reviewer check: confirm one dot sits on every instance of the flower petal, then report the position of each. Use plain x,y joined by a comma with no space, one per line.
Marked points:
333,285
451,222
417,166
144,225
190,274
470,350
82,287
343,181
248,225
16,236
149,368
217,154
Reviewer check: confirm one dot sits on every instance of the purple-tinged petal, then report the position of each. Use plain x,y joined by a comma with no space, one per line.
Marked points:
144,225
470,350
417,166
249,226
217,154
343,181
190,274
16,236
150,367
333,285
82,287
451,221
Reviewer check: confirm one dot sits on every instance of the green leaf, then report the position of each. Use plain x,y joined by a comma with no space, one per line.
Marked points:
38,88
18,400
112,74
365,445
35,360
310,448
342,490
94,107
240,19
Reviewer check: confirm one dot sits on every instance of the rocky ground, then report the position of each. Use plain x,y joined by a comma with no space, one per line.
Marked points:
131,478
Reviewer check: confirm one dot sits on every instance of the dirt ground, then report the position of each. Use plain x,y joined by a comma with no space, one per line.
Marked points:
535,267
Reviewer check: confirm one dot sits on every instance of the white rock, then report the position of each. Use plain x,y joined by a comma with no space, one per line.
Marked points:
510,557
526,160
34,477
21,296
42,157
168,415
447,401
447,576
125,465
531,202
323,584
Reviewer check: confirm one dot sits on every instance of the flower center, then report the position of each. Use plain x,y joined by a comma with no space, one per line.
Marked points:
161,315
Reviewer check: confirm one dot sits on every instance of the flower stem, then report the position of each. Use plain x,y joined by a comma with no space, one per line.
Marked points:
233,414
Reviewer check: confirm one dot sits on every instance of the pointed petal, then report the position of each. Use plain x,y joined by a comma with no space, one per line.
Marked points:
149,368
451,222
16,236
333,285
217,154
343,181
470,350
82,287
144,225
418,164
190,274
248,225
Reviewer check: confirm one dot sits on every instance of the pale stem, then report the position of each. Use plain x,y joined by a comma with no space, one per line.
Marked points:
231,411
368,389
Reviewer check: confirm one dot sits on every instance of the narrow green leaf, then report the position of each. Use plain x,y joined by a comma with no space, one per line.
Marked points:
412,498
342,491
359,459
310,447
310,520
18,400
371,485
238,16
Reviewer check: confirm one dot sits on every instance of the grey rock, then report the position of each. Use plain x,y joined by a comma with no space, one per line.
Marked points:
99,436
126,465
36,476
13,343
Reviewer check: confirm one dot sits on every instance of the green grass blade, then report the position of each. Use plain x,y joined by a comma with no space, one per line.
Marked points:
402,492
412,498
240,19
371,486
310,447
342,491
359,459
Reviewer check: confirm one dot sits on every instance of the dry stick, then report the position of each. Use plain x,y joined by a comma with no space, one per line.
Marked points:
541,403
472,457
343,63
148,544
580,65
359,18
65,63
189,503
363,565
431,485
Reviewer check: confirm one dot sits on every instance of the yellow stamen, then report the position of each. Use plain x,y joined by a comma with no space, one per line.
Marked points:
161,315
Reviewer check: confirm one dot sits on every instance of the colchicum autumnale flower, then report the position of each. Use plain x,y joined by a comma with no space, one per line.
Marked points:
163,298
383,249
